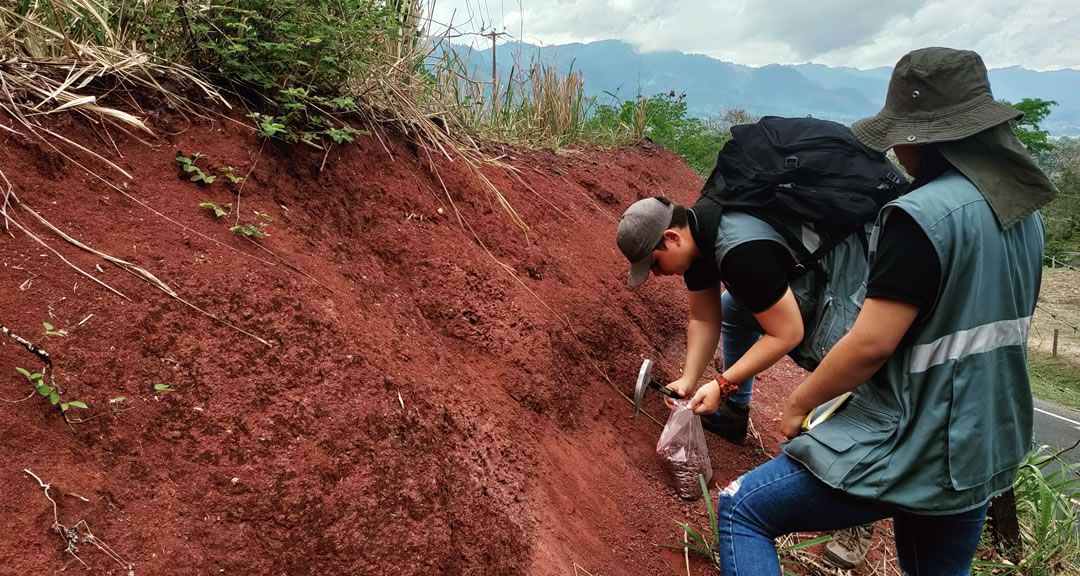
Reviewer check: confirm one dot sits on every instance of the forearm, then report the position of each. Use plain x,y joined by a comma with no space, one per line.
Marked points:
851,362
783,330
702,337
768,350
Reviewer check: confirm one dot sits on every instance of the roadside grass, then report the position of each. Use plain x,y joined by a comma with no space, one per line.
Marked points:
1046,489
1056,379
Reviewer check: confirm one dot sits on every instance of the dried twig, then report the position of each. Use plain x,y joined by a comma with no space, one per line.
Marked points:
583,571
686,550
79,533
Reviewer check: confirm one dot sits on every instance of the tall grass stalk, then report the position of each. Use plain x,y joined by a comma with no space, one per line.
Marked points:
537,105
1047,491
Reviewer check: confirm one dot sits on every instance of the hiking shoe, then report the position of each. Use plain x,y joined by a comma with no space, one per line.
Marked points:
728,422
848,547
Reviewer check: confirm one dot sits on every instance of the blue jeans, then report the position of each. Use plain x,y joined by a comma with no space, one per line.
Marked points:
782,496
737,335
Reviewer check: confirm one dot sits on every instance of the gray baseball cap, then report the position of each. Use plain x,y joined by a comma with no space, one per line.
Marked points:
641,228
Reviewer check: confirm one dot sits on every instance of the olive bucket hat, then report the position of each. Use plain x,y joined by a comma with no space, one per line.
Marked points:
942,97
935,95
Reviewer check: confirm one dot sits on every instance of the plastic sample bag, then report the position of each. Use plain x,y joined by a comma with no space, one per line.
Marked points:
683,449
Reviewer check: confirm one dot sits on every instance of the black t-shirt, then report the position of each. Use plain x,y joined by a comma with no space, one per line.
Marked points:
755,272
906,267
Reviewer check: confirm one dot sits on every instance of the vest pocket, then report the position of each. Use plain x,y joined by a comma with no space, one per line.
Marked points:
840,449
989,429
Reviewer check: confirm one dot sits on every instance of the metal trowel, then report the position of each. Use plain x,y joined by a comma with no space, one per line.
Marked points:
644,380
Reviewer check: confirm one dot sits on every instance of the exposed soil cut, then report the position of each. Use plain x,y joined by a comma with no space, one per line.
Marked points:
435,399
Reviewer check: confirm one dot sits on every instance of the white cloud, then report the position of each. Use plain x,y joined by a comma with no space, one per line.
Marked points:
1037,34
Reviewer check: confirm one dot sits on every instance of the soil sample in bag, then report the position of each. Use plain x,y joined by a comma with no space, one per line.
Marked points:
685,454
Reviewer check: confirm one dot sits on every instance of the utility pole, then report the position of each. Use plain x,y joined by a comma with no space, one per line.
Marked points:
494,73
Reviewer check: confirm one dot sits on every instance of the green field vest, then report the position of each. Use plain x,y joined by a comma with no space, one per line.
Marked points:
943,426
829,299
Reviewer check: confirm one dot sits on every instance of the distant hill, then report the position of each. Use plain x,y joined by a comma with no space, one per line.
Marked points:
840,94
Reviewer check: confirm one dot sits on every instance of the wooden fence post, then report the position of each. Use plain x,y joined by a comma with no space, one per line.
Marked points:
1004,524
1054,355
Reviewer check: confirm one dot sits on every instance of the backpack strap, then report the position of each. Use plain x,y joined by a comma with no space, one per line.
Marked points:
808,260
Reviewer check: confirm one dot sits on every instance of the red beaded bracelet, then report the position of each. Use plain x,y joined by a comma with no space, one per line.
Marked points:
726,388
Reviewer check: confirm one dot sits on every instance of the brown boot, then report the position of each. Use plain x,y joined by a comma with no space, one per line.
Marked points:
848,547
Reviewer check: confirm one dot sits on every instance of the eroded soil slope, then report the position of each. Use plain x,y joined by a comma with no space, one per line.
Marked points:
440,393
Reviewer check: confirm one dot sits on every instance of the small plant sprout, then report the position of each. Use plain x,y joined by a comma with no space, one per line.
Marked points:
228,172
256,230
187,164
219,211
44,389
50,331
163,388
251,230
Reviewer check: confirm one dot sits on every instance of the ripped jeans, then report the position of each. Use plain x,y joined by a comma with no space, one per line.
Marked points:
781,496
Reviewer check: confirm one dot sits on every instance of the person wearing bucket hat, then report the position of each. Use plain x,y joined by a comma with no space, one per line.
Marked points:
940,414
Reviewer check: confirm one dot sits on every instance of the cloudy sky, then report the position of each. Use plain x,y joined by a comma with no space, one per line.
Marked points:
1037,34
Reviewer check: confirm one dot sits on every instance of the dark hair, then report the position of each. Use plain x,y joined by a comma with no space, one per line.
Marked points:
678,217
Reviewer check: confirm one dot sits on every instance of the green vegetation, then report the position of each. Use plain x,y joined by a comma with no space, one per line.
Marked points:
293,58
1055,379
661,118
704,543
1027,129
1046,489
50,331
48,390
1062,216
1061,161
250,230
188,165
219,211
701,542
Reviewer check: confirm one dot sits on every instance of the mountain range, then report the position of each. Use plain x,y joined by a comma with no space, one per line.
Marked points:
842,94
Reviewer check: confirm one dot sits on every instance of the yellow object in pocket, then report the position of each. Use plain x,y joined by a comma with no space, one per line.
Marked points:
823,412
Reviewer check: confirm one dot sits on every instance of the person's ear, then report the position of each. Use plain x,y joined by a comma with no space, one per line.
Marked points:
671,236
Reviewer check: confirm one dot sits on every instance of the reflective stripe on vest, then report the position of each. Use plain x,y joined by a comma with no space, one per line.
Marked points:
976,340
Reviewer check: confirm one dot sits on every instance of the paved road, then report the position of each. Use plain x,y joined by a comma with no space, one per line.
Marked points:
1057,427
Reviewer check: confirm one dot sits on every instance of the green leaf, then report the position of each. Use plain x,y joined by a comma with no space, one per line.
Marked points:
77,404
117,399
688,546
44,390
163,388
24,372
807,544
63,406
35,376
48,327
54,398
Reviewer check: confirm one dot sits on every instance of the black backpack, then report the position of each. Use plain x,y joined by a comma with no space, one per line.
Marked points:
802,169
